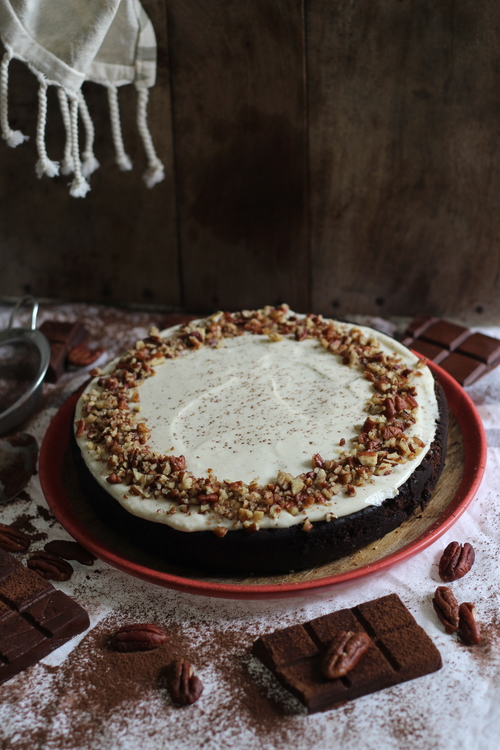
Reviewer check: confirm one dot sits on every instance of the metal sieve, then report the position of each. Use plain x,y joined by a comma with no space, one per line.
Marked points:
24,358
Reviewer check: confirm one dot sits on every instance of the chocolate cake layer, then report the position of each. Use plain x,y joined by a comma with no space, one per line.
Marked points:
275,550
35,618
399,650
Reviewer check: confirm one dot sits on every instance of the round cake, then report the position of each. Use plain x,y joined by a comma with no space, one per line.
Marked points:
260,441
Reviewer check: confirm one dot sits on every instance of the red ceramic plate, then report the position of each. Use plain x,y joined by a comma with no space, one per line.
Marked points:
51,478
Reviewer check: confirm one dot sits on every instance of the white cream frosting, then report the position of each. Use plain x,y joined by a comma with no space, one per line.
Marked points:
255,407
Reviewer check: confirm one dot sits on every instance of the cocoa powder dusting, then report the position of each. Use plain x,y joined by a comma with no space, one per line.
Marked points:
44,513
23,522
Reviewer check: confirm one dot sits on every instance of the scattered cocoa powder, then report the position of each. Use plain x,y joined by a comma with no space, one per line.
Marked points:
44,513
23,522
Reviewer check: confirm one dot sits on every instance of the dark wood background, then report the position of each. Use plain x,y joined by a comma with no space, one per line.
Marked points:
339,155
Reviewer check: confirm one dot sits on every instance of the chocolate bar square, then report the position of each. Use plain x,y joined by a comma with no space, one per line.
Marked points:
419,324
464,369
484,348
446,334
400,650
429,351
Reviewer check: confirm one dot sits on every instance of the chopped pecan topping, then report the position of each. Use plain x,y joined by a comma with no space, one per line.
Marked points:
220,531
80,428
178,463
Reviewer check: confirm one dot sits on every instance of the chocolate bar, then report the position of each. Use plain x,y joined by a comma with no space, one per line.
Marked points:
464,355
62,337
35,618
400,650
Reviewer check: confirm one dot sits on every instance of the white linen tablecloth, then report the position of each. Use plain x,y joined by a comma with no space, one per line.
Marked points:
458,707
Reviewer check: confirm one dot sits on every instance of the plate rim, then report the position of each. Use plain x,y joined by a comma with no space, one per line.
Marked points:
52,453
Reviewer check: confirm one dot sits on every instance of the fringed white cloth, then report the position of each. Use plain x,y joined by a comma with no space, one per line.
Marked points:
110,42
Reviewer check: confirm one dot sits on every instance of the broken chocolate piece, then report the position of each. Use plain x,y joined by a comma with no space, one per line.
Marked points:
35,618
399,650
464,355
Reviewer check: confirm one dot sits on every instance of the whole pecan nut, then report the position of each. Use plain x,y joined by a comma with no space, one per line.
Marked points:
182,683
13,540
468,627
70,551
82,356
456,561
50,566
343,653
446,607
138,637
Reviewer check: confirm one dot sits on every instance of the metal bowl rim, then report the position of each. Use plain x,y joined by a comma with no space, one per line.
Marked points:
39,340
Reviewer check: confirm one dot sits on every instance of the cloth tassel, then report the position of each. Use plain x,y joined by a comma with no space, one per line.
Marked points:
122,159
12,137
89,165
156,171
44,165
89,161
79,187
67,165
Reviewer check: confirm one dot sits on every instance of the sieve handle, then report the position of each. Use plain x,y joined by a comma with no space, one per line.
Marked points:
34,311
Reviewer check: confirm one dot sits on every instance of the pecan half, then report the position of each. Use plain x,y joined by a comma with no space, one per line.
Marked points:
343,653
138,637
446,607
468,627
182,683
82,356
13,540
70,551
456,561
50,566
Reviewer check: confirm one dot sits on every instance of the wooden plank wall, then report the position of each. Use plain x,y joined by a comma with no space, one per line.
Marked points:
117,245
341,156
